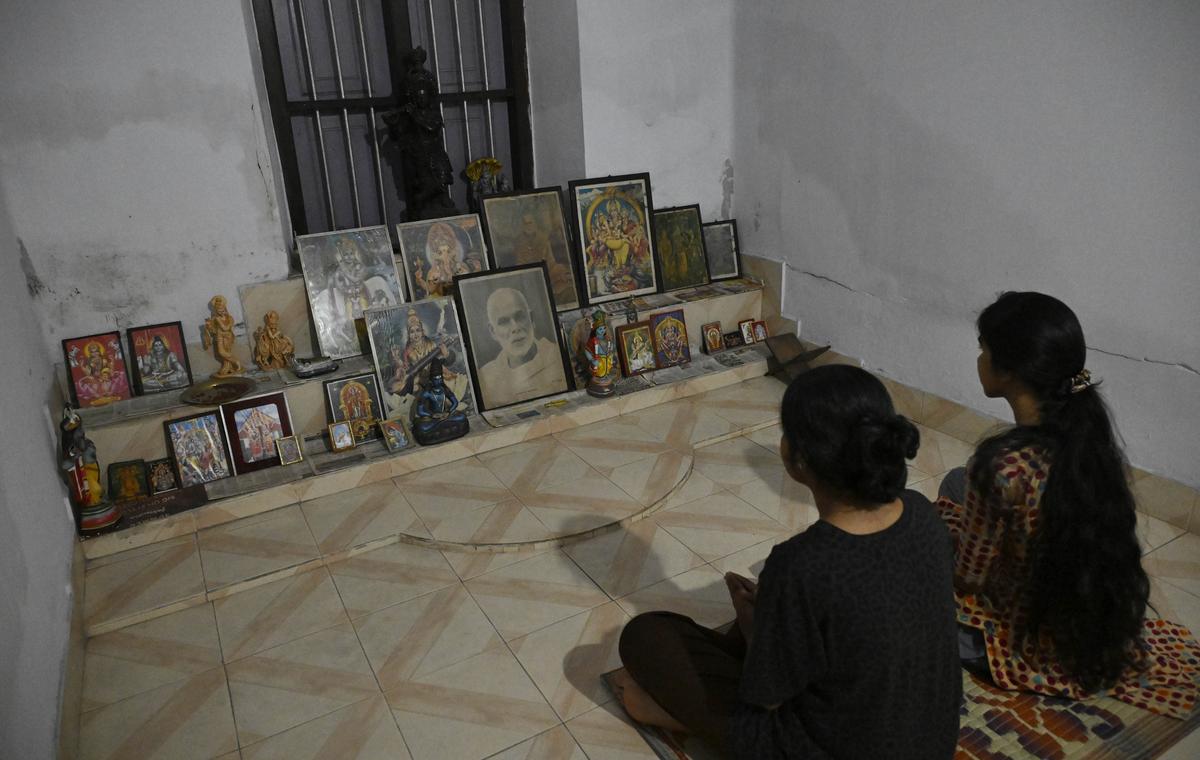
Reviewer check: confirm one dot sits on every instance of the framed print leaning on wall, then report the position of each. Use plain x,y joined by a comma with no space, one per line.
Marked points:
254,424
721,249
160,360
614,237
680,246
525,228
96,369
434,251
197,444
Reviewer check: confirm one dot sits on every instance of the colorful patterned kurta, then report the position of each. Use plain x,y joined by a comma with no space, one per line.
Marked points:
992,557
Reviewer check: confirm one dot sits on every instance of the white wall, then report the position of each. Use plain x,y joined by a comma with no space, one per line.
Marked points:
134,155
909,160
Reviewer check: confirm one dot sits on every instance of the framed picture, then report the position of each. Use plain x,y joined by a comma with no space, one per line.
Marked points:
760,331
670,336
341,436
160,474
347,272
197,444
713,341
576,327
524,228
512,338
160,360
434,251
405,339
254,424
722,249
733,339
614,237
290,449
356,399
636,348
127,480
95,366
746,326
680,246
395,437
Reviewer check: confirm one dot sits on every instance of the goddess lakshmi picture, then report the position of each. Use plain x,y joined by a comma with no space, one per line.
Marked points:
614,237
436,250
96,368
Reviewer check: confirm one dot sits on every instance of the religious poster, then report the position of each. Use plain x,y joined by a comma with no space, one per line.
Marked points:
525,228
254,424
636,348
96,369
680,247
670,338
197,444
355,399
613,237
160,361
434,251
405,339
347,272
721,249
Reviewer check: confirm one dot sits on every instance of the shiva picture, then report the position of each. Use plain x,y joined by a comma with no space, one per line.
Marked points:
435,250
197,444
680,247
357,399
161,476
127,480
526,228
346,273
613,235
670,338
255,424
160,361
404,340
636,348
721,249
96,368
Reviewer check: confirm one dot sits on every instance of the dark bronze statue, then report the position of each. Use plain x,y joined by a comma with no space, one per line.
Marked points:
434,415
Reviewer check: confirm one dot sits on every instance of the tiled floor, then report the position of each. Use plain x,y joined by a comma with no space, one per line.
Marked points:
290,635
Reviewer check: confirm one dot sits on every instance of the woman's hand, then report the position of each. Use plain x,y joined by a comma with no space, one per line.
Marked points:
743,592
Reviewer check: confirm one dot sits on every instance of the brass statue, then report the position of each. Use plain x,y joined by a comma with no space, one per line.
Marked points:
218,336
272,349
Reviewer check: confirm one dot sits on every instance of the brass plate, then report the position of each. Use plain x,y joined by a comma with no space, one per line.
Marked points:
217,390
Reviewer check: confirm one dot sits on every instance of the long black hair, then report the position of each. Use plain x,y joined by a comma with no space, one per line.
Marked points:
841,425
1086,586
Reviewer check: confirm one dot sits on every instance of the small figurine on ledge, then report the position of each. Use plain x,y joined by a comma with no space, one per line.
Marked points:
599,353
272,349
218,336
82,471
434,415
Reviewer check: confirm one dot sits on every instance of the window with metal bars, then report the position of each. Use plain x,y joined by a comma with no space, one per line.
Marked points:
334,67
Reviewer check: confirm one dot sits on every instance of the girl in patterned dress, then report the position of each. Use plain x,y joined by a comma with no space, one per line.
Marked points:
1049,582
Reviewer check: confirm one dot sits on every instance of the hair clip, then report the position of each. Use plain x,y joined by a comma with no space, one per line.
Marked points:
1082,381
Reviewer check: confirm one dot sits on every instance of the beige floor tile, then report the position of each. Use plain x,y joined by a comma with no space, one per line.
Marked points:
469,710
142,657
529,465
425,634
612,443
650,479
362,731
607,732
957,420
682,425
1187,749
555,744
468,564
508,522
751,402
255,546
1165,499
940,452
360,515
178,721
767,437
928,487
779,497
143,579
1153,532
383,577
1172,603
735,462
1178,563
907,400
586,501
566,659
749,561
718,525
695,486
276,613
449,490
291,684
633,557
699,593
534,593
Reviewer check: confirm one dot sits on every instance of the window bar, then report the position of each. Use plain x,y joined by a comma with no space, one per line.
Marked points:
437,73
491,140
341,85
312,89
362,46
462,79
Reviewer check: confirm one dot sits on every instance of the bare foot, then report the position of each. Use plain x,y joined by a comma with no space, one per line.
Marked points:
641,706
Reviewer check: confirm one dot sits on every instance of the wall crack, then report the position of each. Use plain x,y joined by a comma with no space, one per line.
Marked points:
1146,359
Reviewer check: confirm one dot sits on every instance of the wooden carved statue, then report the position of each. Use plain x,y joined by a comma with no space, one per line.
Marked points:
272,349
218,336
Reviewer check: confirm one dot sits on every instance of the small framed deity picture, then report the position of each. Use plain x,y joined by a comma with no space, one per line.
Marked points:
197,444
746,326
760,331
290,449
254,424
341,436
395,437
524,228
680,246
713,342
96,367
434,251
160,473
733,339
721,249
512,335
670,338
355,398
127,480
160,360
636,348
614,237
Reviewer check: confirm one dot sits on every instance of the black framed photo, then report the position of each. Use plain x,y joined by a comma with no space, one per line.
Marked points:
614,237
513,342
722,250
356,400
161,475
96,369
254,424
528,227
198,446
160,360
679,245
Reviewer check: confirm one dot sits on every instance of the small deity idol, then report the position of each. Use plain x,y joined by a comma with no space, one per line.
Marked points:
272,349
599,353
218,336
434,415
82,471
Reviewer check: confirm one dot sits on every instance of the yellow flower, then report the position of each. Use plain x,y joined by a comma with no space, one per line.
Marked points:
481,167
